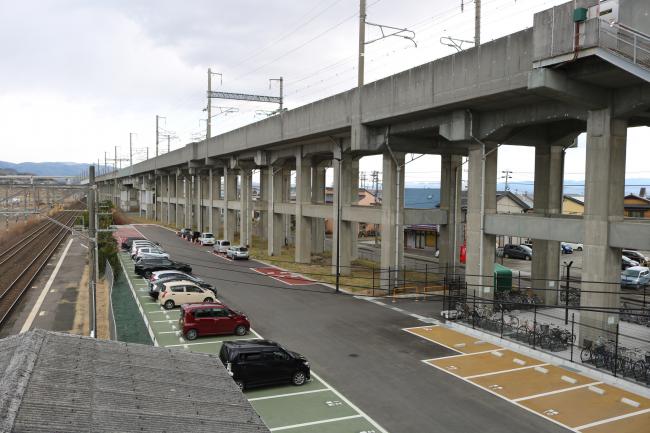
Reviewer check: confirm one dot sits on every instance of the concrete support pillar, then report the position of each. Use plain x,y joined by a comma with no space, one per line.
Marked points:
275,220
303,196
286,198
549,175
392,238
180,212
215,217
604,192
246,208
354,199
479,268
265,187
318,196
450,233
197,195
168,218
210,205
230,194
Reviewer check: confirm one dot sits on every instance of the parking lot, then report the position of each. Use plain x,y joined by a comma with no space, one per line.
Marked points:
314,407
557,394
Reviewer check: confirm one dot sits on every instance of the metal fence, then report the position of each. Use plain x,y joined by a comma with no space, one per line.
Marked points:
625,43
110,280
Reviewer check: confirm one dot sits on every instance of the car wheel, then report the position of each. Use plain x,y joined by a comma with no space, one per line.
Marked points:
169,304
298,378
208,300
240,330
191,334
527,258
579,248
240,384
506,256
147,274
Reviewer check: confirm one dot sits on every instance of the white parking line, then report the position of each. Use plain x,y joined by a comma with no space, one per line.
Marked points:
324,421
615,418
504,371
557,391
291,394
194,344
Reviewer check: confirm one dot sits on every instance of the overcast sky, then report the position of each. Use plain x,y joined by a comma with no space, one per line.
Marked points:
77,76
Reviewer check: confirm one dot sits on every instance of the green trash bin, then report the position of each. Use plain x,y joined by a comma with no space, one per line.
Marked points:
502,278
580,15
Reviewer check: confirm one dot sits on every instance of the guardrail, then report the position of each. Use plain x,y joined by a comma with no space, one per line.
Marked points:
625,42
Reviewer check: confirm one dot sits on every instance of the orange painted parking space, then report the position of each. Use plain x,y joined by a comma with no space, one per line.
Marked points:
587,405
531,381
634,424
452,339
467,366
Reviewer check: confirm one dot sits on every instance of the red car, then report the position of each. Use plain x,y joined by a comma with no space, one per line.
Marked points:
211,319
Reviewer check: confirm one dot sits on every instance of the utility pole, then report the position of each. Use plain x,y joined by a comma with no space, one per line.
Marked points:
130,149
477,23
506,176
362,42
168,145
208,125
92,249
157,134
281,81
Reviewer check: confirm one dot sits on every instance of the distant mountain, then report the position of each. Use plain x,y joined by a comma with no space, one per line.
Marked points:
46,168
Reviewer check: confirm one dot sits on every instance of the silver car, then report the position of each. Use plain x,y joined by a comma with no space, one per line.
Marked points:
221,246
635,277
237,252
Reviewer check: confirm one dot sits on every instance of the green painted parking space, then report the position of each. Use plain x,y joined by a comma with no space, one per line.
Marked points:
313,407
306,408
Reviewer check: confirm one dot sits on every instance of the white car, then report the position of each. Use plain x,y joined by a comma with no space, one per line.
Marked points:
575,246
221,246
151,253
136,247
175,293
237,252
206,239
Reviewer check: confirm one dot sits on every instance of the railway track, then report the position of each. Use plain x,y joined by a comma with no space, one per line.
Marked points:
21,263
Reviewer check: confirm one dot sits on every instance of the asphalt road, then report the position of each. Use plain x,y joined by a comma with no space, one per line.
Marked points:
359,348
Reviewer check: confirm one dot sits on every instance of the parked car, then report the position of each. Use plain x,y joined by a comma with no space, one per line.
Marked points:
221,246
263,362
140,244
151,253
517,252
635,277
175,293
237,252
628,263
198,320
155,286
146,267
576,246
183,232
206,239
127,243
637,257
565,248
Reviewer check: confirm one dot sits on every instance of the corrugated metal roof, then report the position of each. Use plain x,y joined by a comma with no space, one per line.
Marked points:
61,382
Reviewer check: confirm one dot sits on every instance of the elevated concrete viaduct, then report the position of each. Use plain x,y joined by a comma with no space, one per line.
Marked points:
539,87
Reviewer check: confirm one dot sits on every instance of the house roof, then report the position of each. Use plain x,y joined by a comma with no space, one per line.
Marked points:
576,199
52,381
644,205
500,194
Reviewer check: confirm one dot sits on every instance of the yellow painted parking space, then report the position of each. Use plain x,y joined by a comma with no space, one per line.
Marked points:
587,405
468,366
452,339
531,381
639,423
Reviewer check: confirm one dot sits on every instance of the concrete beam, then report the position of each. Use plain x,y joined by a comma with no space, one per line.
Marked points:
626,234
563,228
557,85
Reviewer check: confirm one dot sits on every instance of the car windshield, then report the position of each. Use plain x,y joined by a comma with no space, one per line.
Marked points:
526,248
208,235
243,249
225,243
631,273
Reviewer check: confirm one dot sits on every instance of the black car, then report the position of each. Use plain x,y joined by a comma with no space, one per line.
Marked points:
154,288
263,362
636,256
128,242
517,252
183,232
146,266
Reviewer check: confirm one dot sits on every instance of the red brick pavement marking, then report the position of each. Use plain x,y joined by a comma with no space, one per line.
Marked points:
285,277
